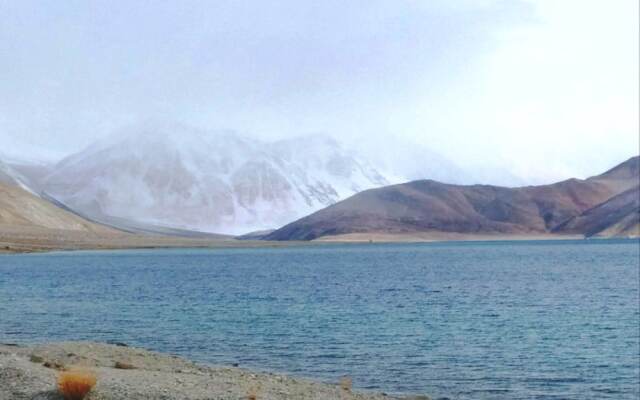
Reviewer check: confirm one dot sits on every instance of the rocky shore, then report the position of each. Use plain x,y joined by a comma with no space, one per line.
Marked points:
123,372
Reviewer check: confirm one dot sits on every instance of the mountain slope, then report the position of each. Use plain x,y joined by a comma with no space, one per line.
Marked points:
10,176
180,177
19,208
29,222
31,173
618,216
429,206
622,177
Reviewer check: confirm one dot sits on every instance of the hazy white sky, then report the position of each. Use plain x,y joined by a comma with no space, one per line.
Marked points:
545,88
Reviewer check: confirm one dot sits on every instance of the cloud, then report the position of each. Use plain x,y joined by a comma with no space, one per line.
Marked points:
493,83
557,97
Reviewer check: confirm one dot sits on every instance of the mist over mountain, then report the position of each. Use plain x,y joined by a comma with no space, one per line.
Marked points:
220,181
168,177
404,160
21,209
13,176
7,175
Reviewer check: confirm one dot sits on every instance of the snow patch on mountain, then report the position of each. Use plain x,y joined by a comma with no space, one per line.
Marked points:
214,181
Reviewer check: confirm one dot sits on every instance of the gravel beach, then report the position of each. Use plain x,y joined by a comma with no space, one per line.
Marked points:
30,372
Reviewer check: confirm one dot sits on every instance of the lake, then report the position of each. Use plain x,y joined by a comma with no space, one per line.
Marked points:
475,320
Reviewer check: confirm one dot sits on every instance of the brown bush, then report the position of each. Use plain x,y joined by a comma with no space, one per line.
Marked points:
252,394
75,384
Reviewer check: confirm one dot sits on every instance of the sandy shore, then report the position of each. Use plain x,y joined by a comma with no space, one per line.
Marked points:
423,237
31,373
15,239
18,239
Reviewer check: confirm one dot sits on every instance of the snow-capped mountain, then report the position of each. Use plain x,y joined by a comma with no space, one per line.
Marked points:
219,181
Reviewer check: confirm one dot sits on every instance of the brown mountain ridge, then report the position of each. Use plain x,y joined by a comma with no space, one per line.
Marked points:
605,204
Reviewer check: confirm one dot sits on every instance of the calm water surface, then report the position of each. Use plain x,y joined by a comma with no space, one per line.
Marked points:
509,320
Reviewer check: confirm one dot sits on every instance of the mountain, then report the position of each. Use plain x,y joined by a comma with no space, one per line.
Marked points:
31,221
618,216
430,207
180,177
30,173
11,176
621,177
20,209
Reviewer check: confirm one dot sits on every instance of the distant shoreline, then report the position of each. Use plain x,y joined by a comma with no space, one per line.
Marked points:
428,237
133,243
32,244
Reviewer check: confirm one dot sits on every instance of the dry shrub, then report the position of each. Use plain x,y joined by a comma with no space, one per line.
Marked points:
75,384
252,394
346,383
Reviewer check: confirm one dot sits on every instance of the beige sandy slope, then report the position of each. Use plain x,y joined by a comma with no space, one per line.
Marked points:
19,208
29,223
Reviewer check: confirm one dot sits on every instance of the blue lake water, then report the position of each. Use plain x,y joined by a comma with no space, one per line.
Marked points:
502,320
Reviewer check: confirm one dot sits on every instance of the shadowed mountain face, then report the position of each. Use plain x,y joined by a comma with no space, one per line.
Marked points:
429,206
618,216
